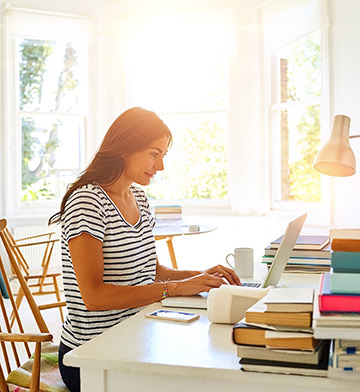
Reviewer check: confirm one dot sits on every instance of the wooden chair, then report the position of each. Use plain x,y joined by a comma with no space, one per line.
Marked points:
36,279
16,343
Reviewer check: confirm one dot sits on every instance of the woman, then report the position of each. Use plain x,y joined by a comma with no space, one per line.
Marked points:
110,268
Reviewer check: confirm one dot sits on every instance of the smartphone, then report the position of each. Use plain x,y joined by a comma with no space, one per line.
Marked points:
171,315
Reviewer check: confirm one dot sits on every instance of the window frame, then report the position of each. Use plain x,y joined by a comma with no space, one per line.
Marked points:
319,211
15,209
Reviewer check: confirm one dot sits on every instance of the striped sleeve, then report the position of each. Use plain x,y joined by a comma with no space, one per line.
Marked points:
84,213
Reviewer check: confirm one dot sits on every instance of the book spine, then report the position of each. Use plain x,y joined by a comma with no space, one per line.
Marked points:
167,216
318,254
300,260
320,298
329,302
167,210
345,261
346,283
336,303
345,245
348,234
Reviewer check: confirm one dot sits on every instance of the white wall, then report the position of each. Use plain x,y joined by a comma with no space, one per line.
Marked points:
344,48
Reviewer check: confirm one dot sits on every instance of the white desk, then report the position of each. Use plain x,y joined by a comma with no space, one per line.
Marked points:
142,354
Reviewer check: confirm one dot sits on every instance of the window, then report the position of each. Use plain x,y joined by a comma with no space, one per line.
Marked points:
296,89
293,37
52,103
47,105
179,67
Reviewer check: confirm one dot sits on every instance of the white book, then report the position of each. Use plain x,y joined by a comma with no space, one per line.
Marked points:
348,234
288,299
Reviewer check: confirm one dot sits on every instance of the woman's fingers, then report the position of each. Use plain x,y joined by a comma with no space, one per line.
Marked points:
229,274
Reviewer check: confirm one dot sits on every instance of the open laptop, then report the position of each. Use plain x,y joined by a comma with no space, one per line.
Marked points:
272,277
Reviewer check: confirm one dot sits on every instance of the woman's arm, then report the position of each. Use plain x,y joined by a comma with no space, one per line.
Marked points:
87,258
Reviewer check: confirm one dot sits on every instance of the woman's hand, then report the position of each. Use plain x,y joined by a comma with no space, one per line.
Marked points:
228,273
196,284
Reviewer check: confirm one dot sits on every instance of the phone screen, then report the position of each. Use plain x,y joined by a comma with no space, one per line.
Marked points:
173,315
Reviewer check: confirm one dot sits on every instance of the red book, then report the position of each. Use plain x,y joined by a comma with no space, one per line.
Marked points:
330,302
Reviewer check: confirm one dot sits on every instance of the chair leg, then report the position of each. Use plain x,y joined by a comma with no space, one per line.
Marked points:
19,298
35,377
57,293
3,385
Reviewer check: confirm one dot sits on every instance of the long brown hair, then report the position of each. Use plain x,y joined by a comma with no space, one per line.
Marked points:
133,131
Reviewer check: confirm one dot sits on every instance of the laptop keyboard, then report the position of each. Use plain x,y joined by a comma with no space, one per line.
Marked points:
250,284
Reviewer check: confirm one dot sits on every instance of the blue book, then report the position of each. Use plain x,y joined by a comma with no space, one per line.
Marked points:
345,283
345,261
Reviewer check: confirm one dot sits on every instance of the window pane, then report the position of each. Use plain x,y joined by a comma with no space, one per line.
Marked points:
301,64
196,164
179,67
300,141
52,76
51,155
297,95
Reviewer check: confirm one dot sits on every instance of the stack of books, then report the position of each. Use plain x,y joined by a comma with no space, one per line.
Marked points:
345,261
170,212
276,335
345,359
311,253
337,316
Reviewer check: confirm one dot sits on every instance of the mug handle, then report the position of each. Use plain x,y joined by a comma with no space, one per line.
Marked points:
226,259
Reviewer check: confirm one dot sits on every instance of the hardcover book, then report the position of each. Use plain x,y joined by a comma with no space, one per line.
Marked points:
345,283
251,335
295,356
301,260
289,300
345,261
257,314
332,302
345,245
349,234
320,254
263,366
333,325
305,242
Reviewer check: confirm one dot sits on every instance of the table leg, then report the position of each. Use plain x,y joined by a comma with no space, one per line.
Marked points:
171,252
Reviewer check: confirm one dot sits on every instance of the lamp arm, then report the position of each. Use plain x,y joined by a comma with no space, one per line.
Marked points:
353,136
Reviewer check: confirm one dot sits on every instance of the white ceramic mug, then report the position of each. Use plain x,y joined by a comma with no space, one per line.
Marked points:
243,262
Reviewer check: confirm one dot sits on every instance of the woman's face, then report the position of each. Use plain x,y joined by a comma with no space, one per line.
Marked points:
141,167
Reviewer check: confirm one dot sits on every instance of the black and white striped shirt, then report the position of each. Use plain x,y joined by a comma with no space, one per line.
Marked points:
129,256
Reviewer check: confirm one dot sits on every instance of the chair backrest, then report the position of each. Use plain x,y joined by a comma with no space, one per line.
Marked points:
7,236
18,274
13,354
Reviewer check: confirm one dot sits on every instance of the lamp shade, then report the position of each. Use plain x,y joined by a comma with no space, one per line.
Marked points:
336,158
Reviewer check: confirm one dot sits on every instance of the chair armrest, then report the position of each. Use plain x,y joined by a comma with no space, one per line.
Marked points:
26,337
35,236
36,243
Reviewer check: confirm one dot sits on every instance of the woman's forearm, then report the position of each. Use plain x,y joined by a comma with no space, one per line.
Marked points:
164,273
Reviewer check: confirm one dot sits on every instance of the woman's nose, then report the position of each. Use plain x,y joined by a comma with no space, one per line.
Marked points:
160,164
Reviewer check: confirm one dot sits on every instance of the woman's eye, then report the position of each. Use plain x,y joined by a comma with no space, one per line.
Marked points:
154,154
